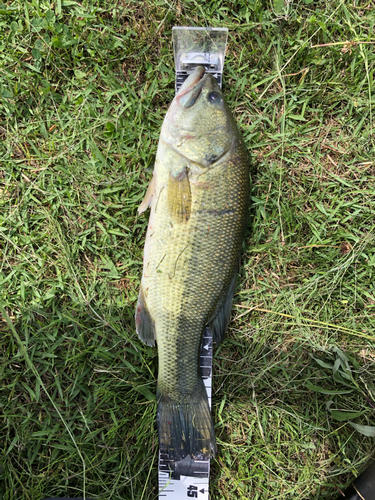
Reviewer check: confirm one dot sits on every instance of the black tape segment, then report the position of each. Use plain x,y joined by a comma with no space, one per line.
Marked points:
185,467
363,487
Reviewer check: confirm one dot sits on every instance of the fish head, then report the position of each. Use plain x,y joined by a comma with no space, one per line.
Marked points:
199,124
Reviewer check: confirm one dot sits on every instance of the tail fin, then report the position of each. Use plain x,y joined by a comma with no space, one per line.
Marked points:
185,426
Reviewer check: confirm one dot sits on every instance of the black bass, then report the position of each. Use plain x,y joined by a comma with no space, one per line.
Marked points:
199,198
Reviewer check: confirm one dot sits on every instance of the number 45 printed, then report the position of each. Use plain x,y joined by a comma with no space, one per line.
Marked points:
192,492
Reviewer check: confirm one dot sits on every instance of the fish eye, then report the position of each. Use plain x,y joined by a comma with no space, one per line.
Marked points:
214,97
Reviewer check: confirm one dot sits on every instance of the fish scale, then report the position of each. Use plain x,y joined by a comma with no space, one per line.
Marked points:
197,265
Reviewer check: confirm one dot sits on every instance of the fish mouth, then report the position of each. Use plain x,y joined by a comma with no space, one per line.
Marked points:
192,87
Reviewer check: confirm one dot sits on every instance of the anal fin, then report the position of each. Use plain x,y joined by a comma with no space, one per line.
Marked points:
144,324
220,320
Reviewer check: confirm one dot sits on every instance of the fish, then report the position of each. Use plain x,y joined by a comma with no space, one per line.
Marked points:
199,199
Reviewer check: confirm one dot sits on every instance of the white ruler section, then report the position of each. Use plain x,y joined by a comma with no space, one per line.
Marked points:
189,478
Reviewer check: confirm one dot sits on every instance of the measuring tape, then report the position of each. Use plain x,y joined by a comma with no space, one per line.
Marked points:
189,478
192,46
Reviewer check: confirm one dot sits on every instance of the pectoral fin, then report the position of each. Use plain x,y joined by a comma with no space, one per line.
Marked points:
179,196
146,202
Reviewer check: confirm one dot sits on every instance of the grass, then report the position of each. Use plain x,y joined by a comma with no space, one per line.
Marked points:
84,87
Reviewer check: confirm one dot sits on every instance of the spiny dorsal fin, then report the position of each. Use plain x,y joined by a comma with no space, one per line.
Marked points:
179,196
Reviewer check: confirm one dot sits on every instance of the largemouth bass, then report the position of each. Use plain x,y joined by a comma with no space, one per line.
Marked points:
199,198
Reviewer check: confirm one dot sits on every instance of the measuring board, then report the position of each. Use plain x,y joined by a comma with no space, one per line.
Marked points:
192,47
188,478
